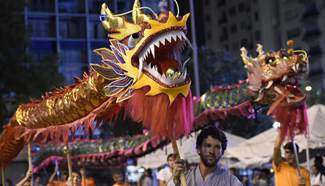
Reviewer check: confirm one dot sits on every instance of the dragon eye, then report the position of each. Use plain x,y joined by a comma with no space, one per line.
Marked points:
270,61
133,40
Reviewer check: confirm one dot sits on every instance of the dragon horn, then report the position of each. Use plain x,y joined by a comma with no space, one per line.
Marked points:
290,44
111,21
137,15
244,56
260,51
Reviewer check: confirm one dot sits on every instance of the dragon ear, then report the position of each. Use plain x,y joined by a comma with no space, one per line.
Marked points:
110,22
106,72
245,58
137,16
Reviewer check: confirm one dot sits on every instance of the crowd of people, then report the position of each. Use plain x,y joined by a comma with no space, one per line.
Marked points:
211,144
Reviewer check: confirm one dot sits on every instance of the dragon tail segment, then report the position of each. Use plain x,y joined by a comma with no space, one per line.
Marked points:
221,101
10,145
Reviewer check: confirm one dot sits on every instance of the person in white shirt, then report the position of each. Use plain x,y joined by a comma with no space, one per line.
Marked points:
166,174
317,178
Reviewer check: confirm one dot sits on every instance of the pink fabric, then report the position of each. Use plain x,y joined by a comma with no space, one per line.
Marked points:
159,116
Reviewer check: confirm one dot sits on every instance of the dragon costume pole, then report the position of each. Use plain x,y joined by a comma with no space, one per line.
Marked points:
176,151
3,175
67,152
296,156
30,164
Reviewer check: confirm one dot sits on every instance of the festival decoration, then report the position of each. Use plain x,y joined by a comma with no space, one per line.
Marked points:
273,79
140,73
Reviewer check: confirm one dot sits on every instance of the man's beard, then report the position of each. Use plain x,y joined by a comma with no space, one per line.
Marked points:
209,163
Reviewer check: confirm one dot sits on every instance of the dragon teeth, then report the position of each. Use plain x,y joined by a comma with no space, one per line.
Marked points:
163,41
284,78
152,48
140,67
169,38
270,83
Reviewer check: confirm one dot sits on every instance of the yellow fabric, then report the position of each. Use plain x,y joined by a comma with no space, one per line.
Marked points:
57,183
286,175
125,184
88,181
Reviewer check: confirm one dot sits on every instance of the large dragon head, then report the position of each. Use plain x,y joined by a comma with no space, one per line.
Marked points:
145,52
275,72
144,67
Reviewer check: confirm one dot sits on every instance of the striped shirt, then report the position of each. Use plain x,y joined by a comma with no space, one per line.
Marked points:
219,177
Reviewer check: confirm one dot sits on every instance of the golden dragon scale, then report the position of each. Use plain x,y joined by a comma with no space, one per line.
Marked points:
53,117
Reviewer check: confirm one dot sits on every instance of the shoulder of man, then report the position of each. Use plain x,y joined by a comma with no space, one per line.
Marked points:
282,163
234,181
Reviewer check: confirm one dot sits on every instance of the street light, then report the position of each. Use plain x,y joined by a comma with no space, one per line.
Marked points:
276,125
308,88
195,52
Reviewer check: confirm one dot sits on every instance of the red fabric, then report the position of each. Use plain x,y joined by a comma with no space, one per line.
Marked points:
156,113
293,119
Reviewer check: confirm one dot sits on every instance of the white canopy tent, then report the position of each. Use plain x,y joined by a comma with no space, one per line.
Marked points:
259,149
187,151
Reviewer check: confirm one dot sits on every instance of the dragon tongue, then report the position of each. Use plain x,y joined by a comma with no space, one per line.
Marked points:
167,64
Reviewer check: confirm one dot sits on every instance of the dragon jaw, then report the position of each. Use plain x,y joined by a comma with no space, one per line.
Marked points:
155,62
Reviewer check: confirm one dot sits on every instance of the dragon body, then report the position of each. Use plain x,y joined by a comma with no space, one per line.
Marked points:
142,73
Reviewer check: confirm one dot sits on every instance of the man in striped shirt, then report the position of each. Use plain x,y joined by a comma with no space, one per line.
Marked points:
210,145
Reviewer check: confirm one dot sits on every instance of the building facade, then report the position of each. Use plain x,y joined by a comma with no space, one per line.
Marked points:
71,29
232,24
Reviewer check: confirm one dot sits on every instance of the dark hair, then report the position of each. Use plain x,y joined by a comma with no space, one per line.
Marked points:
289,146
214,132
318,160
149,171
172,155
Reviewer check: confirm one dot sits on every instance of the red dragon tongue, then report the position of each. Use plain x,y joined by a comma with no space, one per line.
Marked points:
166,64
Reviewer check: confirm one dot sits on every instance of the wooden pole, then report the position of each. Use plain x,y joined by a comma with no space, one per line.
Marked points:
176,151
30,163
3,175
296,157
68,159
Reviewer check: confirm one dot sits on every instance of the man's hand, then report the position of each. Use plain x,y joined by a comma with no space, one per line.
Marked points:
179,167
302,181
277,149
69,182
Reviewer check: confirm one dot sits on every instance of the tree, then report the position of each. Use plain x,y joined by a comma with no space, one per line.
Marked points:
21,77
